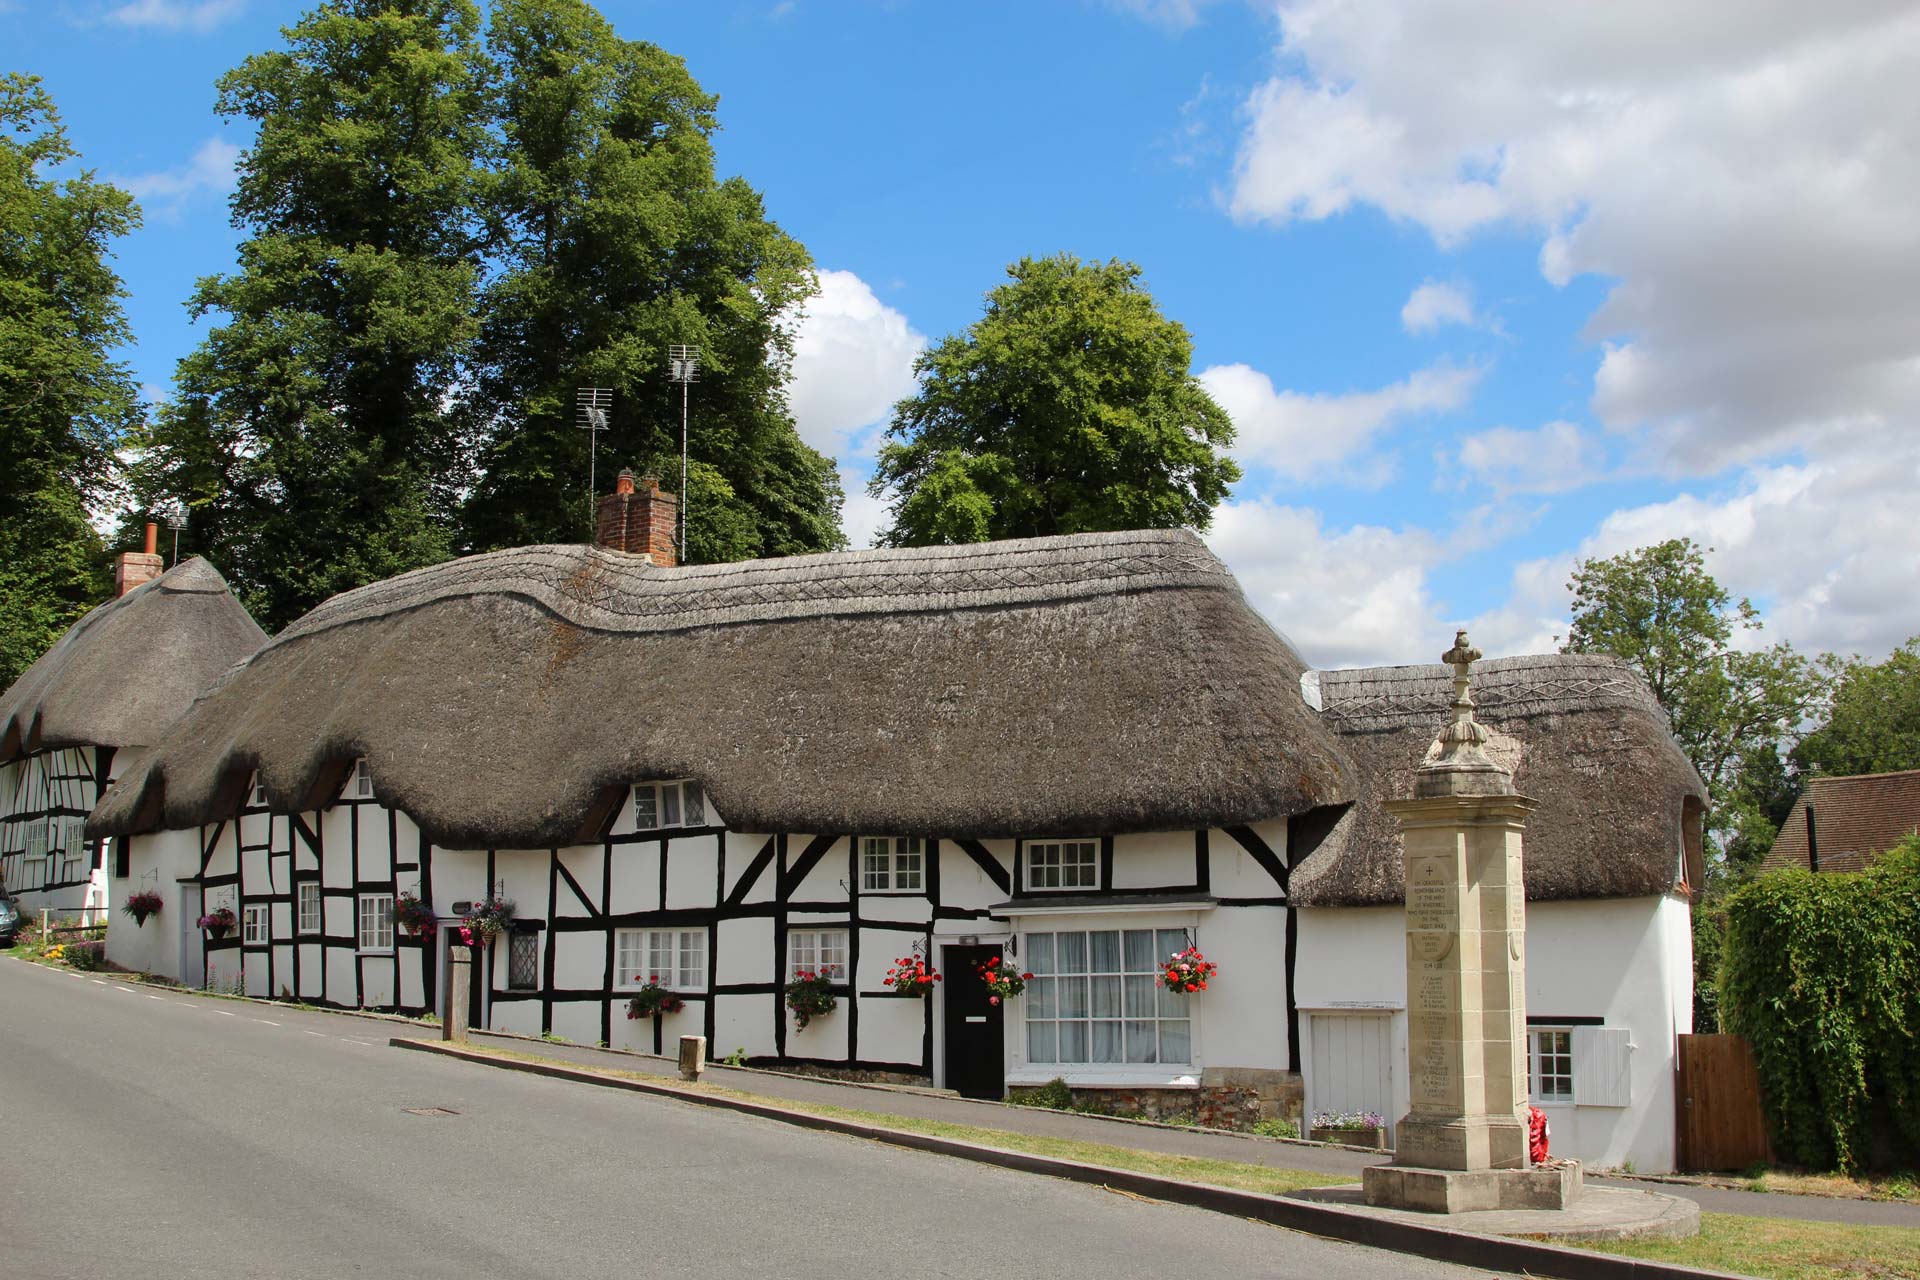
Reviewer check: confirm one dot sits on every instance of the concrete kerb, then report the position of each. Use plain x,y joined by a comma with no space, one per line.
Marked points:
1329,1221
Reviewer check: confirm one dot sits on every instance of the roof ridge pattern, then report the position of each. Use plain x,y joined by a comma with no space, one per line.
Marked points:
597,589
1534,684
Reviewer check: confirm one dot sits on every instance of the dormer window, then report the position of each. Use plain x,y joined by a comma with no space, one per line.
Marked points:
256,794
360,782
658,805
1063,864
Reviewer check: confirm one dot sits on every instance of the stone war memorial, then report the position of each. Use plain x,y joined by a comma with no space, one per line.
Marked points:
1463,1145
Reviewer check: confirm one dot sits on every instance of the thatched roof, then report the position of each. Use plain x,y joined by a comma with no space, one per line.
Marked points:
127,670
1075,685
1855,819
1581,734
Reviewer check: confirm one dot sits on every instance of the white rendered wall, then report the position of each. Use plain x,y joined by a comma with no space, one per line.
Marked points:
155,862
1627,961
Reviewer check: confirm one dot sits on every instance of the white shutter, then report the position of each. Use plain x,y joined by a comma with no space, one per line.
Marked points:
1602,1067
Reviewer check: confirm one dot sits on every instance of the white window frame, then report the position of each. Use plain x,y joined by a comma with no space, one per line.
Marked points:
255,927
892,864
821,950
676,957
1131,977
684,797
379,928
36,854
306,893
1540,1056
73,844
256,793
360,781
1049,871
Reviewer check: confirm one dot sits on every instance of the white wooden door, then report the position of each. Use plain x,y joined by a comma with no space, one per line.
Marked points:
1351,1067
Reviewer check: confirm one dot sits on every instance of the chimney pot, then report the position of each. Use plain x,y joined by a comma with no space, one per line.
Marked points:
625,483
153,538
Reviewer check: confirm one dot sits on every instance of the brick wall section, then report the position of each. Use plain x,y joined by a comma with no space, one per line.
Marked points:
639,519
134,568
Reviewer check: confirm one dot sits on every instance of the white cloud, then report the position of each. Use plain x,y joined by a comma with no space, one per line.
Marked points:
177,15
1356,597
863,516
1548,459
1177,15
1300,434
210,171
1434,304
853,358
1746,174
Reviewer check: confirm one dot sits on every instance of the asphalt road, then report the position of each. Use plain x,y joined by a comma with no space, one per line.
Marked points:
151,1134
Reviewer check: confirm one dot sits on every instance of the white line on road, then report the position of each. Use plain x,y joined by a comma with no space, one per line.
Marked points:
223,1013
99,982
129,990
323,1035
269,1021
156,998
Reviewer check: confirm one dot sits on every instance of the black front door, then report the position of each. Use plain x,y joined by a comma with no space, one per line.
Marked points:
976,1046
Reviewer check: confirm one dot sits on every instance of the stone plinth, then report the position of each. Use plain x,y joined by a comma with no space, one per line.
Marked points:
1394,1186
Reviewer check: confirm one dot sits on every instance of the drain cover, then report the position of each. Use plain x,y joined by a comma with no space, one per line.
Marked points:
429,1111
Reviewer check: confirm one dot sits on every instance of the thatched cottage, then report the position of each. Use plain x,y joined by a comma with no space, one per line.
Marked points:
111,685
1075,754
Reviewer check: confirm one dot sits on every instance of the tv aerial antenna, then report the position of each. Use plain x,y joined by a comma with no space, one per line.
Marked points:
683,367
174,512
594,403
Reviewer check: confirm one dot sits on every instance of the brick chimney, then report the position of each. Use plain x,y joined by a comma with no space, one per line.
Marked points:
640,520
136,567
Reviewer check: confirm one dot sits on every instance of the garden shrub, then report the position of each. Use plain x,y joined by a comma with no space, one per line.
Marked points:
1821,975
1053,1095
86,955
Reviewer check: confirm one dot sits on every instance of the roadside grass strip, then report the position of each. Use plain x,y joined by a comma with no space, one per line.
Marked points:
1785,1249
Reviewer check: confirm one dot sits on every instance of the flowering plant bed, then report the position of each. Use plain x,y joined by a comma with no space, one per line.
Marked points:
910,976
147,902
654,998
217,921
1186,972
810,995
1003,980
1351,1128
414,916
486,921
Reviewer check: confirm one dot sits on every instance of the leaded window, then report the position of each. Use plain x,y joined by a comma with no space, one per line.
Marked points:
523,960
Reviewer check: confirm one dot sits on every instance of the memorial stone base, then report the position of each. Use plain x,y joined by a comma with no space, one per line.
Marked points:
1553,1186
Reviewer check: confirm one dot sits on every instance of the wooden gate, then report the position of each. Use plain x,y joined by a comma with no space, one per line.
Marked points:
1722,1124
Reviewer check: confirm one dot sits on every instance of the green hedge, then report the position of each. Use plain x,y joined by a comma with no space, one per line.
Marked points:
1821,975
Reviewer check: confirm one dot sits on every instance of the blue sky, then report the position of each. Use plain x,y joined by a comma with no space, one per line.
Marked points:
1485,290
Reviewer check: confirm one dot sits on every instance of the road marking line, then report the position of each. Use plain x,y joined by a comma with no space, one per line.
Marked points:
223,1013
100,983
269,1021
156,998
129,990
321,1034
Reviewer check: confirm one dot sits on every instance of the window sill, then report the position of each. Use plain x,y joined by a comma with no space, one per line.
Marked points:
1119,1076
374,951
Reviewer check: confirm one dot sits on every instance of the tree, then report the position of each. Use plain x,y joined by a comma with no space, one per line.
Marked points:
1659,609
1069,407
1873,723
309,433
65,402
614,241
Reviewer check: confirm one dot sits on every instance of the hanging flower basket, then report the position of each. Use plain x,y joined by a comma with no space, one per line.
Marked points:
1003,980
1186,972
652,999
414,916
146,902
217,922
810,995
910,976
486,921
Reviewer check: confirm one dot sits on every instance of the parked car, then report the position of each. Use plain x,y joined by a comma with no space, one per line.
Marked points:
9,919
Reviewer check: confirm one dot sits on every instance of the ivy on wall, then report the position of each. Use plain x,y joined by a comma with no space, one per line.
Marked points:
1821,975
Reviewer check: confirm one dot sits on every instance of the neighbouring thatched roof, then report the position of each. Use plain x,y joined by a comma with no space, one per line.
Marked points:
1073,685
1582,735
129,668
1854,820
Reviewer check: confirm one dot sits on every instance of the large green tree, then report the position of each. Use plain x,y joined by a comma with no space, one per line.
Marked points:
1731,708
1873,722
65,401
1069,407
310,433
614,241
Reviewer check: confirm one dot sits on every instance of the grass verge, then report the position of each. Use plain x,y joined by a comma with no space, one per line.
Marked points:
1785,1249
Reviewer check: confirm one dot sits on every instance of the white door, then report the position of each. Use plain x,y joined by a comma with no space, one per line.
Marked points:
193,950
1351,1067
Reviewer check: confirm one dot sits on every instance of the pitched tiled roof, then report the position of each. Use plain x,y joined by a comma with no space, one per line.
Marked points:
1853,819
